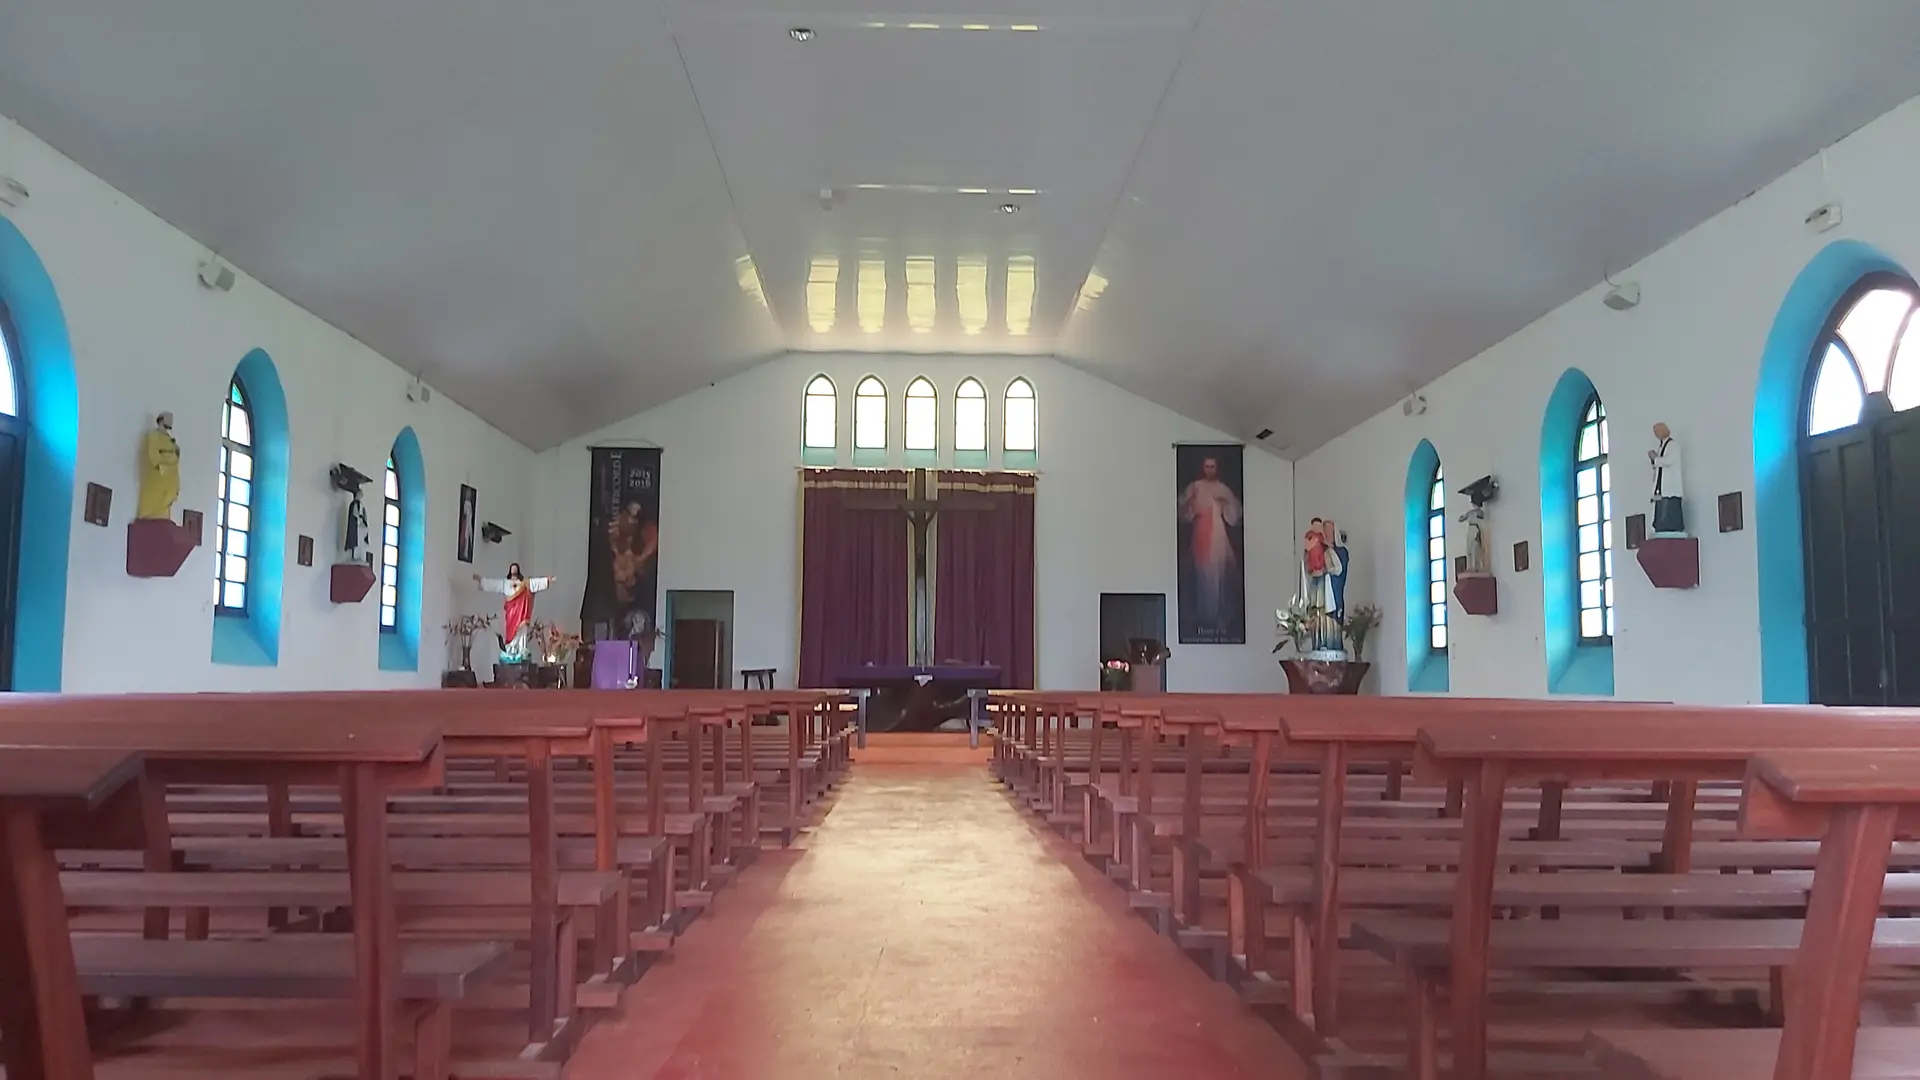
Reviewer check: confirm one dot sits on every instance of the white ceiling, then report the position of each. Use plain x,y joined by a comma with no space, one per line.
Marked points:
1261,213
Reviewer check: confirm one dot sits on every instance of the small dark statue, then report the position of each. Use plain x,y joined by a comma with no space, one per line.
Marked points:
349,479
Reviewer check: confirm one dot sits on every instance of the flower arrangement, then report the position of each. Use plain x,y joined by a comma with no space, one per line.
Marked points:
1306,628
553,644
460,631
1361,623
1116,675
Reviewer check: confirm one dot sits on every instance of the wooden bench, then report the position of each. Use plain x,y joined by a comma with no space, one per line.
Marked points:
1680,745
429,978
47,797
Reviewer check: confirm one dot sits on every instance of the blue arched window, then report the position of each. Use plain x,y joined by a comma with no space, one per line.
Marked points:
1426,595
1781,417
1576,539
46,417
250,517
1593,520
403,553
13,443
233,512
390,551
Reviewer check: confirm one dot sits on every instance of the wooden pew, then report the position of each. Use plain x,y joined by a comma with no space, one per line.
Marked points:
1680,745
270,740
1857,802
43,795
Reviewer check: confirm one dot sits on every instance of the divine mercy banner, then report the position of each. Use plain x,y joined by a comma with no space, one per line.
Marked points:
1213,593
623,544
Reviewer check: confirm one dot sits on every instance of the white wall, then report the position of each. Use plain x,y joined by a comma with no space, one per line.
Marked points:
1104,519
146,338
1688,355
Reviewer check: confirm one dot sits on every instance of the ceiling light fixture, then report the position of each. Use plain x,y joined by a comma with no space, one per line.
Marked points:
1009,208
801,33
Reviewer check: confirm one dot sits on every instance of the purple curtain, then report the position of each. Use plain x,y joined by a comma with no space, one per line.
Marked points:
983,585
854,572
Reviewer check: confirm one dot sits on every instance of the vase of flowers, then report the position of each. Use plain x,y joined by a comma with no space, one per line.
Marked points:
460,631
1116,675
1317,668
1361,623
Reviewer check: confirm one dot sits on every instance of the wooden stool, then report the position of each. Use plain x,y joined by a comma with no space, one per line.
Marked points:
758,678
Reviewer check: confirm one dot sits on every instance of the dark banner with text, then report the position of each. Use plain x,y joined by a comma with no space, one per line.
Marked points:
623,544
1213,593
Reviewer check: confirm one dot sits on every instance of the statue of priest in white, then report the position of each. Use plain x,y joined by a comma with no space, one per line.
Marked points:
1669,511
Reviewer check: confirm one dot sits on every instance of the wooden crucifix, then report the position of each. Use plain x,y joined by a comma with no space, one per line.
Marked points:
922,505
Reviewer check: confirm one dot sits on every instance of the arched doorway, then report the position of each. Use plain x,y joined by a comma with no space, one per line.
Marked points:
1860,497
13,458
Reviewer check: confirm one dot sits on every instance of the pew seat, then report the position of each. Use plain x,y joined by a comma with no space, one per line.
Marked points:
1420,948
1740,1054
433,976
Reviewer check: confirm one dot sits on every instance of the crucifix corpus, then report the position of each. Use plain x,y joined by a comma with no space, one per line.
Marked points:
922,504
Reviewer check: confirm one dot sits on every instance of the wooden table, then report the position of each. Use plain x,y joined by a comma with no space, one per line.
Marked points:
1601,742
275,740
42,794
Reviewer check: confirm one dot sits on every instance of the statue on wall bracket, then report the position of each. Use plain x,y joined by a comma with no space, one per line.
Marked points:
1474,586
159,471
1669,487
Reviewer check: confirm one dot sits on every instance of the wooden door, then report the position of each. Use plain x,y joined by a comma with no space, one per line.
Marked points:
1861,523
696,654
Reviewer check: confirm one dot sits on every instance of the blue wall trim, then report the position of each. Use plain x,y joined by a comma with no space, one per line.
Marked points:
400,650
1572,668
253,640
1427,670
1776,460
51,407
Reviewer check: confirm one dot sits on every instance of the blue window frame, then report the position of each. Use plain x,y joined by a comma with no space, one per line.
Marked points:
233,516
1593,525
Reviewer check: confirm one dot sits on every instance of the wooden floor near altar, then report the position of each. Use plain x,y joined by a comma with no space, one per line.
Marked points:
921,748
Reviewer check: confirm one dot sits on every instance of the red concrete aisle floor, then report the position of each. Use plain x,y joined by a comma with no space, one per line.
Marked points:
927,930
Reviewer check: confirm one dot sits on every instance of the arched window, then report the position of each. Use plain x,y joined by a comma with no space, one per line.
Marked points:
1872,350
1437,562
390,552
923,416
1576,539
1426,578
870,414
1859,479
970,417
13,446
1021,432
37,456
820,418
403,553
250,516
1593,522
9,369
233,514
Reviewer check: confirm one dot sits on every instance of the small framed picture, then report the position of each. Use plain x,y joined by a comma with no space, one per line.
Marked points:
1522,557
1636,531
469,523
1733,515
99,504
1459,566
193,522
305,554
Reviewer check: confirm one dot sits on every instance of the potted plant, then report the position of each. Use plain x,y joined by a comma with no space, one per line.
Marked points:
1116,675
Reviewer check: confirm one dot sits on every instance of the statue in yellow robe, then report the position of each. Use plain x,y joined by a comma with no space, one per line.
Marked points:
159,471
